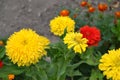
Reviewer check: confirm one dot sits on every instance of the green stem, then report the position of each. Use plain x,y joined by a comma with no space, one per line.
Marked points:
33,77
69,55
72,78
58,78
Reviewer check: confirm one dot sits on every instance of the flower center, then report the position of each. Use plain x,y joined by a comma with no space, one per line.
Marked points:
78,39
24,42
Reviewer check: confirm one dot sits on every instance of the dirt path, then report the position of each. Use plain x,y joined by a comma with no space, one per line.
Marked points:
35,14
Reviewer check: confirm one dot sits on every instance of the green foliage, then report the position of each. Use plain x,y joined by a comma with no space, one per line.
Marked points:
10,69
2,52
96,75
116,30
62,63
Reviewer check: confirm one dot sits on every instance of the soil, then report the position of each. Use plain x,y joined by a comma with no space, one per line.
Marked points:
34,14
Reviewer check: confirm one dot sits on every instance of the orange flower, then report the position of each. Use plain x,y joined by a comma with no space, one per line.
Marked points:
102,7
89,5
117,14
11,76
1,43
64,12
91,9
83,3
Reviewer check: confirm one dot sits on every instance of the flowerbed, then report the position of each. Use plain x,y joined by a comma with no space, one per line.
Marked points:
88,48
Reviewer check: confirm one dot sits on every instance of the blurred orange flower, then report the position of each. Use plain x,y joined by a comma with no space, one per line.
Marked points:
1,43
11,76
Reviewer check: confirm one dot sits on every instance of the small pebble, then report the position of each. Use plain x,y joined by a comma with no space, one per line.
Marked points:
39,14
29,0
29,10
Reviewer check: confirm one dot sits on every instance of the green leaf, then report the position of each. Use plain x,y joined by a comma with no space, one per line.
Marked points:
35,72
5,78
61,66
76,73
43,74
96,75
65,31
52,71
83,78
11,69
71,69
73,66
2,52
91,57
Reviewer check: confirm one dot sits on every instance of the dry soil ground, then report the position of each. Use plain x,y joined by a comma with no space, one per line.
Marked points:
35,14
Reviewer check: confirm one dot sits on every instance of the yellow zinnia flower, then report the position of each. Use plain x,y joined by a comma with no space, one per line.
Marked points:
76,41
60,23
110,64
26,47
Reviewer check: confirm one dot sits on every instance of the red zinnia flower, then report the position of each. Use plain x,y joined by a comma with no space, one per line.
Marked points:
92,34
1,64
